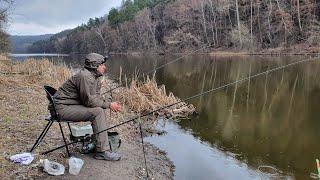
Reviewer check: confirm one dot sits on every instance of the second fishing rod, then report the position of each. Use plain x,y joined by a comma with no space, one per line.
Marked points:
191,97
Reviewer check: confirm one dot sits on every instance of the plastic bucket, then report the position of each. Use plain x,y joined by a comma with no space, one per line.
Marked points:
75,165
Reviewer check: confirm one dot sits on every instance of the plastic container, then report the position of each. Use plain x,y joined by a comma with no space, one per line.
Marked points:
75,165
52,168
78,131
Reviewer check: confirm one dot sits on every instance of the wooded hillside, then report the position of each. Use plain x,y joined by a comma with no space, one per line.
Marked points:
19,44
182,25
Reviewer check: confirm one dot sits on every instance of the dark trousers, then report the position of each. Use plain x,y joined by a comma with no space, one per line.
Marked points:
96,116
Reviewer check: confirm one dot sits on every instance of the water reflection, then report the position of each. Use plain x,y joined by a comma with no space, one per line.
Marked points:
269,120
195,159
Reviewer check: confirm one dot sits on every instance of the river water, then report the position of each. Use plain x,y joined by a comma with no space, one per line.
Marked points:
265,128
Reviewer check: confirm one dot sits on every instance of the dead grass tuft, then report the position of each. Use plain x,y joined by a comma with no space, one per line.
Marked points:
36,72
148,96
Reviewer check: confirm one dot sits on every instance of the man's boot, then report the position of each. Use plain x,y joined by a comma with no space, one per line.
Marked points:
108,156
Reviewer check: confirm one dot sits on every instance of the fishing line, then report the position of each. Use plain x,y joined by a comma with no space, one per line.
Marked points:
189,98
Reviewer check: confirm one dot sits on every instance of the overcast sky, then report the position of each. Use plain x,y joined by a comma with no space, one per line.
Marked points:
34,17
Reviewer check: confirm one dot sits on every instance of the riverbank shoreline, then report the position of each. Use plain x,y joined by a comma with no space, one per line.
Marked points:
298,49
295,50
23,106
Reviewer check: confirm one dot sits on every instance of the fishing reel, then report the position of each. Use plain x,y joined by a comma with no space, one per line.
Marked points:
87,143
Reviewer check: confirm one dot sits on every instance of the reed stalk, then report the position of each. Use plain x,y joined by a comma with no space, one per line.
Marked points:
120,75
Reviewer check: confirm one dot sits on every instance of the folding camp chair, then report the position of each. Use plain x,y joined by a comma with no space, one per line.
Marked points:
54,117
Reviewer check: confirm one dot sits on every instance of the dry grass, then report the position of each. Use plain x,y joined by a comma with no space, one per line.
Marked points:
3,57
147,97
36,72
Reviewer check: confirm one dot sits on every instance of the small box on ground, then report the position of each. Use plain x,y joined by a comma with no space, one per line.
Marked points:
80,131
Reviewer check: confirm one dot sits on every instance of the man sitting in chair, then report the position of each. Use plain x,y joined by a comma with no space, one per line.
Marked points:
79,99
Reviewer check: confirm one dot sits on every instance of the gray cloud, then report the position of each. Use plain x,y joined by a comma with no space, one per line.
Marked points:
55,14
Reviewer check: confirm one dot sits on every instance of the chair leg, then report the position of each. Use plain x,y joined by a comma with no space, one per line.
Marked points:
64,139
69,128
43,133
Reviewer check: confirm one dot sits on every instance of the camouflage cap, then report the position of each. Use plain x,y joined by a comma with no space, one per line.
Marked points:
93,60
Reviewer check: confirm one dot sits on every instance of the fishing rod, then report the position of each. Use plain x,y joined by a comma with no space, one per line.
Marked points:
161,66
187,99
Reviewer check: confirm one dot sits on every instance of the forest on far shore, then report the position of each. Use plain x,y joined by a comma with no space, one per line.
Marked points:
183,25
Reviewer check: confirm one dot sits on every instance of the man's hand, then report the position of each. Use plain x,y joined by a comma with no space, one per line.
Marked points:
114,106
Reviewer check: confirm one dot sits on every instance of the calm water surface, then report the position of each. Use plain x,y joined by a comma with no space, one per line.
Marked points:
271,120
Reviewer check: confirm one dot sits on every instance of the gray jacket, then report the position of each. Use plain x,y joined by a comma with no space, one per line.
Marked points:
81,89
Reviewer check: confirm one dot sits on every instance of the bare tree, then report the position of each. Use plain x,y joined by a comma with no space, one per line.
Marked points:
99,33
179,26
238,22
214,32
298,9
251,21
269,25
258,17
283,21
4,37
204,22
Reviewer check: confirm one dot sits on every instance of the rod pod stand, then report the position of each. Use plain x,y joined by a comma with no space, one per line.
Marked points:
144,152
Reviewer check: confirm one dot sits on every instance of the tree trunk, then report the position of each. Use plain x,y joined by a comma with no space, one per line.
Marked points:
152,30
213,31
269,25
284,23
238,21
298,9
259,24
251,28
215,26
204,22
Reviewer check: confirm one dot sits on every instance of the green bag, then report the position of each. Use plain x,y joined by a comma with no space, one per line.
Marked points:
114,141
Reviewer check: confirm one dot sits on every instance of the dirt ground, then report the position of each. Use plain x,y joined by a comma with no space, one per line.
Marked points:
131,166
23,105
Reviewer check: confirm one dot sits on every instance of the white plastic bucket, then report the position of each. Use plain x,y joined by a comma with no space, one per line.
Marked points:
75,165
